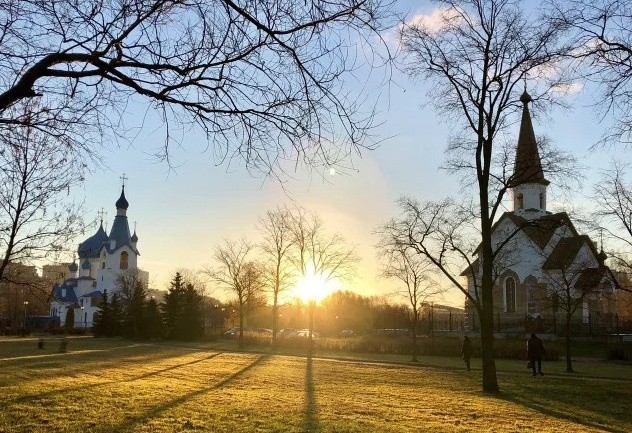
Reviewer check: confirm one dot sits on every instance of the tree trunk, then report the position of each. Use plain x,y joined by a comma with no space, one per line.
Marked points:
415,320
275,317
490,381
569,362
311,325
241,327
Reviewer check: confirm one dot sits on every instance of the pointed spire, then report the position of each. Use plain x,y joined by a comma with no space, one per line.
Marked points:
134,236
528,167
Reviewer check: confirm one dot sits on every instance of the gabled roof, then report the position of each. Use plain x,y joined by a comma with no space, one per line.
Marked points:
95,294
470,269
69,286
590,278
541,230
564,253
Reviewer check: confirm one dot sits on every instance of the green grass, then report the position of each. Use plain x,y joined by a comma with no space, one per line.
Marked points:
119,386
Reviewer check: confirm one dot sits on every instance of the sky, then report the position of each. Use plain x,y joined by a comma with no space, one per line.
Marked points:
183,210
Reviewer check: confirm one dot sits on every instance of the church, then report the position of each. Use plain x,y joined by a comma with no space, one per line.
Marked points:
101,258
544,266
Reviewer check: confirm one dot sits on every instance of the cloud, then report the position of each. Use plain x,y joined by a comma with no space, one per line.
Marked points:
568,88
437,19
432,21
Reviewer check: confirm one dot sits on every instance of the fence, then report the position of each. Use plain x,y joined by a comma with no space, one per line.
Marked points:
592,325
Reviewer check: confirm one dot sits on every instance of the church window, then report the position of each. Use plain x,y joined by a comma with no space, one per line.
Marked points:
531,298
103,264
520,200
124,257
510,295
541,200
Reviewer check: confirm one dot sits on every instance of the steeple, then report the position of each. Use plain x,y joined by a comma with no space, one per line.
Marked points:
527,168
527,182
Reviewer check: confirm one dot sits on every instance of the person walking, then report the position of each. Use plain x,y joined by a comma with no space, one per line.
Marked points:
535,352
466,349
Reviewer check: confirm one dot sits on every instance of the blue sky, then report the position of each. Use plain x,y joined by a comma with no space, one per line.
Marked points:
183,212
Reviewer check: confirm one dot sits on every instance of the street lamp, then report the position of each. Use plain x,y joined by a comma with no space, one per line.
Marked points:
26,304
84,318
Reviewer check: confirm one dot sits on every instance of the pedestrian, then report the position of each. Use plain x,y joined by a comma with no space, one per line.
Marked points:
535,352
466,349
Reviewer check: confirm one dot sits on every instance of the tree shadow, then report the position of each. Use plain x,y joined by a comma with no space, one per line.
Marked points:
550,408
310,423
131,424
42,395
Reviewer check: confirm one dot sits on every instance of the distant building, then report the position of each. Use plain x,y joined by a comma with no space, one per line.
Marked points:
102,258
23,293
56,273
542,251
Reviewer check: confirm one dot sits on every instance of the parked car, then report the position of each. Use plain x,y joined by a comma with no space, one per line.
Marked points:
304,333
232,333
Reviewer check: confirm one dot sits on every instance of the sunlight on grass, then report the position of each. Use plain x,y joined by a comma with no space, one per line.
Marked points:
154,388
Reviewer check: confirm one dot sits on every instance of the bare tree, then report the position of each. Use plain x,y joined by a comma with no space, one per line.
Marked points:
413,271
613,196
602,32
235,272
276,245
37,221
477,58
571,281
319,255
261,78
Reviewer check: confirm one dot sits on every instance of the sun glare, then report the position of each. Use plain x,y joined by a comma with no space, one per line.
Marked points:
314,287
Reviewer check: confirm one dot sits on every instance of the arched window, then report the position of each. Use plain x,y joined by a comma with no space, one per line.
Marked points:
510,295
520,201
541,200
124,257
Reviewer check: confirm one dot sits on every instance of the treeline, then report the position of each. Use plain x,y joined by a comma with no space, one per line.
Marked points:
130,313
343,310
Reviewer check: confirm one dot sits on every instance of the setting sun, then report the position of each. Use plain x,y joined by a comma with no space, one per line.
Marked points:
314,287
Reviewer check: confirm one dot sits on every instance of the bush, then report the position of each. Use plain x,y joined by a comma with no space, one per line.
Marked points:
619,352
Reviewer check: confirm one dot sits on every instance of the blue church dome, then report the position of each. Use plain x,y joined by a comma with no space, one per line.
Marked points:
122,203
85,265
73,267
134,237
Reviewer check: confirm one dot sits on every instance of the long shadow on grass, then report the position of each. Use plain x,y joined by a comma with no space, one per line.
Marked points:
132,423
42,395
310,423
548,407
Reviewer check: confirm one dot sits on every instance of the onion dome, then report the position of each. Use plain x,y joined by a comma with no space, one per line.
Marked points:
91,246
73,267
122,203
134,237
85,265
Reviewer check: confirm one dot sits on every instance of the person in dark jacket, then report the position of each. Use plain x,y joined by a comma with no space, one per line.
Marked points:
466,349
535,352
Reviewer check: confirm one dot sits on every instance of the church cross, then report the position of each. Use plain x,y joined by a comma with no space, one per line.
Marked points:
123,179
101,214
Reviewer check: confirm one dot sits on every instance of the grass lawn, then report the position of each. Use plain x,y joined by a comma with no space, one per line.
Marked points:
120,386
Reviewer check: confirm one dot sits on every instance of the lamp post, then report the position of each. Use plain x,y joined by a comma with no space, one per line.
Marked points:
26,304
84,318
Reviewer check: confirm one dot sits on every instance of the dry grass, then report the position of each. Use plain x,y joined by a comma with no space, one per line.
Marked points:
117,386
